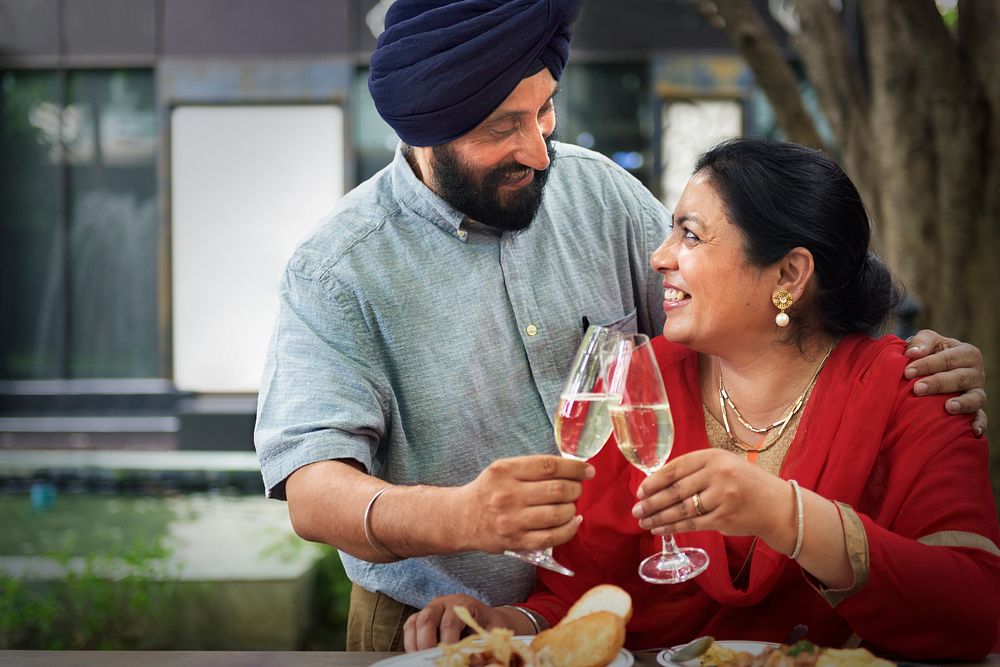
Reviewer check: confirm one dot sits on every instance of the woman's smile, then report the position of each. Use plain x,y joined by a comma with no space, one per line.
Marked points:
674,297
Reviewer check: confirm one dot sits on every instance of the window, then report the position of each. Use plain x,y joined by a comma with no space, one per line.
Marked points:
606,107
78,251
691,127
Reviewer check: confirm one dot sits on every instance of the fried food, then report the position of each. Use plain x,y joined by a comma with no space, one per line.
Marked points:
718,655
493,647
591,635
801,654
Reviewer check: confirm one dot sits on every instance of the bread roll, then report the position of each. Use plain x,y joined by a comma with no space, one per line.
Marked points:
605,597
593,640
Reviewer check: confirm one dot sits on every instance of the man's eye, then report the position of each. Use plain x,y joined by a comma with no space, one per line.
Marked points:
503,131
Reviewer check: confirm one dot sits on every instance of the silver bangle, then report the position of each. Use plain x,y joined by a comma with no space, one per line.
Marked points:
538,622
366,522
799,523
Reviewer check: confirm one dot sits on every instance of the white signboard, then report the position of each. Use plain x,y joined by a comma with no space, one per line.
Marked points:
247,184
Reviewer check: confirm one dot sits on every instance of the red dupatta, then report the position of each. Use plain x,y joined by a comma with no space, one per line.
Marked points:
833,452
860,425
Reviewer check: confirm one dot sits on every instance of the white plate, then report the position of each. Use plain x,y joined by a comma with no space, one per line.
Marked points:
753,648
426,658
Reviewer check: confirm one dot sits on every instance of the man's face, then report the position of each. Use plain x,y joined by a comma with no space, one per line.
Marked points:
496,173
498,198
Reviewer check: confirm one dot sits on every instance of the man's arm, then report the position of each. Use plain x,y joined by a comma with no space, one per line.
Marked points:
517,503
947,366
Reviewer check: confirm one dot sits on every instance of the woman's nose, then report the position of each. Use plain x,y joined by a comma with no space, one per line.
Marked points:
664,257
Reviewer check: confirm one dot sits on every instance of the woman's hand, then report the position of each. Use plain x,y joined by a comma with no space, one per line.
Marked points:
948,365
734,497
437,622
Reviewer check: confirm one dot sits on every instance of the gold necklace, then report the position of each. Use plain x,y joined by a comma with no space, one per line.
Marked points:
725,400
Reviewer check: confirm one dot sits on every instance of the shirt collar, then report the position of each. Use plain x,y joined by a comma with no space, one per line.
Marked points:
413,195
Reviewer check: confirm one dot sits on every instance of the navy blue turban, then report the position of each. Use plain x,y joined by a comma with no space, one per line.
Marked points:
442,66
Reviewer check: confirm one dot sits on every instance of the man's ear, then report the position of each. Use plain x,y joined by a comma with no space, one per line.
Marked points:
795,270
419,158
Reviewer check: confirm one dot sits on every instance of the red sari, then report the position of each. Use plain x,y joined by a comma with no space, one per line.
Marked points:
906,467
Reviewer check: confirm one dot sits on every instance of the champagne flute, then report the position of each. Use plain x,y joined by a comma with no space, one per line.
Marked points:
644,430
582,424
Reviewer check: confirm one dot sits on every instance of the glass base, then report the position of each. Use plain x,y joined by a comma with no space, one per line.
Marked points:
674,568
541,558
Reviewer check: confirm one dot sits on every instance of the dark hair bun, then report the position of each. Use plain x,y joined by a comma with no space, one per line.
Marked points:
865,303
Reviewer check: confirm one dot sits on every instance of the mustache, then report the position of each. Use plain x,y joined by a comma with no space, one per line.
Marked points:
511,173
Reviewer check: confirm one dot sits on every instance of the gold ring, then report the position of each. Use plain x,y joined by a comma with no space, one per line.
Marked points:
696,501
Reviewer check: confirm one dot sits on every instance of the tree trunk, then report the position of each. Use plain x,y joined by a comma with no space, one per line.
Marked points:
918,130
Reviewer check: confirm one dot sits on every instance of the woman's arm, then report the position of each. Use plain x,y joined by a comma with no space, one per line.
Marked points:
932,538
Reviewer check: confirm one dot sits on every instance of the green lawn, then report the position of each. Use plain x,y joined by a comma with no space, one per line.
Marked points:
81,525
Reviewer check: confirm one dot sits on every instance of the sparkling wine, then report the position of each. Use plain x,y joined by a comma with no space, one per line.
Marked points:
645,434
582,425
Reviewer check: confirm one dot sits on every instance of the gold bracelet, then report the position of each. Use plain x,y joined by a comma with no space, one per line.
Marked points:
366,522
799,523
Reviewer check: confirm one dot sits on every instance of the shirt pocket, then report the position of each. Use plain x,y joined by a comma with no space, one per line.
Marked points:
625,324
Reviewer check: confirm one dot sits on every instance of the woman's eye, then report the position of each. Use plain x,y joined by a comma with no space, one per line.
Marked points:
688,234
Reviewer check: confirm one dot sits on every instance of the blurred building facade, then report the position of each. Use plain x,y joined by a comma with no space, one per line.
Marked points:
160,159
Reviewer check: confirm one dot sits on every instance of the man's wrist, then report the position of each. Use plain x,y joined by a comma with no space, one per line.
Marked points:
537,621
456,533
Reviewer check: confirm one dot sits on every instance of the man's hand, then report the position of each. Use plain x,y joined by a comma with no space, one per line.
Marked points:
947,365
437,622
520,503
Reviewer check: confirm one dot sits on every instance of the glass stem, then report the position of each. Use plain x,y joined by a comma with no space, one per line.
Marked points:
667,545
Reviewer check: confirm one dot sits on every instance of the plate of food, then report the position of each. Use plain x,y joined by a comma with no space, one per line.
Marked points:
435,657
591,635
718,653
753,654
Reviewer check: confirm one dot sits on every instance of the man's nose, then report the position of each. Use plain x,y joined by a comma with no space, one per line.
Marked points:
533,151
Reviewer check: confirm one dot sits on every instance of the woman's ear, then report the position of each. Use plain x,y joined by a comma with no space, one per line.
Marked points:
795,271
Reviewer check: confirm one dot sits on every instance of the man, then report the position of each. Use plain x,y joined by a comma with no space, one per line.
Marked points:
427,325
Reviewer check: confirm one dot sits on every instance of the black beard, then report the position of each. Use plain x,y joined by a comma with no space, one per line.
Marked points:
481,200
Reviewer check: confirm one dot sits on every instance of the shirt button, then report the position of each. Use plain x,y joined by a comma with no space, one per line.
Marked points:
462,234
531,330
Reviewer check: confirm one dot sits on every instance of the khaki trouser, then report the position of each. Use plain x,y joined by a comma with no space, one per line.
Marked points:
375,621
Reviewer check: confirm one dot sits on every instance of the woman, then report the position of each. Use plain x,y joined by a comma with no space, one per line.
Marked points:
890,536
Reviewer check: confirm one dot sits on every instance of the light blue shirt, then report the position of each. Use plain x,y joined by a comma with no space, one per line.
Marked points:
426,346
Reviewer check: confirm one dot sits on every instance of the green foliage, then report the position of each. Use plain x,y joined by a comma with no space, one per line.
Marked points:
331,601
69,527
101,602
949,14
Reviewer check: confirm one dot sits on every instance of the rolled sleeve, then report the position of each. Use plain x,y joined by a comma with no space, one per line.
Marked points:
320,398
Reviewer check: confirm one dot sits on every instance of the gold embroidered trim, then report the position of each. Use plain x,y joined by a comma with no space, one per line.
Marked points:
856,540
960,538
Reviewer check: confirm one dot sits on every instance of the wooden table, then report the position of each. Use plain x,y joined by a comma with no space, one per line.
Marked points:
209,659
243,659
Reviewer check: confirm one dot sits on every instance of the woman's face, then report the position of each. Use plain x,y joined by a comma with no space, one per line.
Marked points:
714,299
